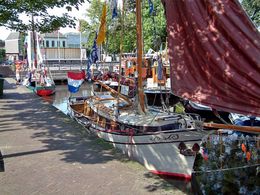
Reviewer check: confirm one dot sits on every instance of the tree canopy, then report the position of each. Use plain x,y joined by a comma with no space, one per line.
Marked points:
154,24
10,12
154,27
253,10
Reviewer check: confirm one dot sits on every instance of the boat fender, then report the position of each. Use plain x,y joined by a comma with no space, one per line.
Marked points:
196,147
182,146
184,150
187,152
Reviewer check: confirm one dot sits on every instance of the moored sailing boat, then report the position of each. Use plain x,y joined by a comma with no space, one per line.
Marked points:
44,84
39,77
214,51
165,143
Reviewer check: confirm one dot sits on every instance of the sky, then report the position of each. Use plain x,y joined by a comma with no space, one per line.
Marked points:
79,14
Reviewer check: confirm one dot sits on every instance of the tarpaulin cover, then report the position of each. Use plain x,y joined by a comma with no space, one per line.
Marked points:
214,52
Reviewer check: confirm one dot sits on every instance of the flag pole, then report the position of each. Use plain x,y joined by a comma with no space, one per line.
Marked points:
121,53
59,46
139,55
81,54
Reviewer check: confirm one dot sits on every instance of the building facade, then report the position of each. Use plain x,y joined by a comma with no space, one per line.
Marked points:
14,46
56,46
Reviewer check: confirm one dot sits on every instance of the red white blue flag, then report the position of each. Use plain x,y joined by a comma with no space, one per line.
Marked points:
75,79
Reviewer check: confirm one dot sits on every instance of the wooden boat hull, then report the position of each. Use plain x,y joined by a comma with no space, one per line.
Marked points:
158,151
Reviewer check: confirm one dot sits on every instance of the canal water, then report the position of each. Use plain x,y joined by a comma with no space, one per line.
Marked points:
60,98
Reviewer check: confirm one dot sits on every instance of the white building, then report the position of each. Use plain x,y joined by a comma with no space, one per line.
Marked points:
14,46
54,40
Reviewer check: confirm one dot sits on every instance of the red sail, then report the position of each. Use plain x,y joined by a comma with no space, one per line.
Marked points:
214,52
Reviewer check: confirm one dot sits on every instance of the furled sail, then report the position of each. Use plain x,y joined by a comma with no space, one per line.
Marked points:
214,51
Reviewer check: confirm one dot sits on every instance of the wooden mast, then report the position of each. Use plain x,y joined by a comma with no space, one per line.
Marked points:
121,53
139,54
34,43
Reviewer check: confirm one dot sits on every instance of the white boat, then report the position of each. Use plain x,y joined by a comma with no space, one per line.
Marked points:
39,77
165,143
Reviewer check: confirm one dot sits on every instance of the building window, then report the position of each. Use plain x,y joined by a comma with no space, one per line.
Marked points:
52,43
47,44
63,44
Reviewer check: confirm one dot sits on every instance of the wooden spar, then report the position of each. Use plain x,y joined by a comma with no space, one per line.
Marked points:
248,129
114,92
34,43
139,54
121,53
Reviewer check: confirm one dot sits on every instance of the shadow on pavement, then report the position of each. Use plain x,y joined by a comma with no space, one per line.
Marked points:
59,132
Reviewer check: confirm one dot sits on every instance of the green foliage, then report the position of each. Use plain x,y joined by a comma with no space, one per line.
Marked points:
154,27
253,9
10,12
2,55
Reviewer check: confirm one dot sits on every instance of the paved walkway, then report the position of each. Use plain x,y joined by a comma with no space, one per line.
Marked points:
46,152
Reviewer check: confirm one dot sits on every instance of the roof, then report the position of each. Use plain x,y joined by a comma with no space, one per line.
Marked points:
53,35
13,35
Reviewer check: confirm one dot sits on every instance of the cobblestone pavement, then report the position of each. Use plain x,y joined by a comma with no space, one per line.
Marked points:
46,152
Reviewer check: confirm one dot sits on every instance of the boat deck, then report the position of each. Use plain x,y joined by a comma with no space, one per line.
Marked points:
105,105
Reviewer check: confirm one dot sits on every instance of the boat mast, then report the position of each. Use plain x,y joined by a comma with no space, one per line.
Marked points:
34,44
59,46
120,56
139,54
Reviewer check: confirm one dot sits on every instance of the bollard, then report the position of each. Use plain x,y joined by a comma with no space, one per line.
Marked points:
2,166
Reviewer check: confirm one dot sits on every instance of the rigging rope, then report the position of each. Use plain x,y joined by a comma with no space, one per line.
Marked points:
227,169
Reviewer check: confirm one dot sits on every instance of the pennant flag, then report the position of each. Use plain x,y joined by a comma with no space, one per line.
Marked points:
94,51
102,27
89,62
75,79
160,69
114,8
150,6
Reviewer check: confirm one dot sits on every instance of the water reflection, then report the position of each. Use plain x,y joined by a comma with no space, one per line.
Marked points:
60,98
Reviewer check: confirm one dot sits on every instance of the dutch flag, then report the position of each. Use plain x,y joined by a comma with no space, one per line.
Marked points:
75,79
